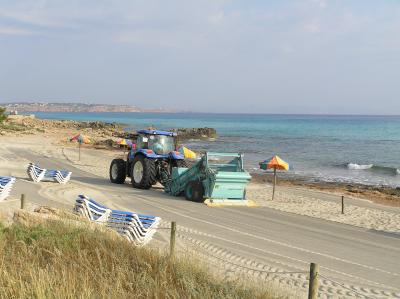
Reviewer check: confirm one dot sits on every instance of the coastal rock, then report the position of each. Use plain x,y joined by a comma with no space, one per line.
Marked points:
104,143
64,124
125,135
195,133
96,125
102,134
183,133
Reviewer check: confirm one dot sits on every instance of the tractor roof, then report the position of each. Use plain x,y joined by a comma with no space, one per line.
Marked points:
156,132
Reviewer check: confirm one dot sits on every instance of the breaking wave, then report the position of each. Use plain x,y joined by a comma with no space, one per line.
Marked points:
355,166
374,168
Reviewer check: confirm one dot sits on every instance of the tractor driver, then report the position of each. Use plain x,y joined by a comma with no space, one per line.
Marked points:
158,144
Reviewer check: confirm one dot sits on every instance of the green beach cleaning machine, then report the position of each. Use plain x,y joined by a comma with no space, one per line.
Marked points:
216,179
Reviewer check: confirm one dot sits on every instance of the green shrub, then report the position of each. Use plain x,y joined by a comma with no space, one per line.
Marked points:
3,115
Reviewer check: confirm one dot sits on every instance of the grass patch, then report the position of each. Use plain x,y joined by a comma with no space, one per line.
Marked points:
56,260
12,127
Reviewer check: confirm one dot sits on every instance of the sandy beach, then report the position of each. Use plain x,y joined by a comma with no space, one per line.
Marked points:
53,146
311,201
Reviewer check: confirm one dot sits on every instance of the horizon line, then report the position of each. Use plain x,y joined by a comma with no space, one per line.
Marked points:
162,110
232,113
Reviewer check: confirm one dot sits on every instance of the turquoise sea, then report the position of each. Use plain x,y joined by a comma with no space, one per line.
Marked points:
358,149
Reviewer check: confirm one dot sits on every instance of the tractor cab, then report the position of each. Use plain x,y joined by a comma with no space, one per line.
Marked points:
160,142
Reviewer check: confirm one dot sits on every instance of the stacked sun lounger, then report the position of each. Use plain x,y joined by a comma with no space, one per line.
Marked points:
6,184
137,228
38,174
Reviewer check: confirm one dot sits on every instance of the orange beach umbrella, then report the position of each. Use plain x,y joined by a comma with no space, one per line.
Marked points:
275,163
124,142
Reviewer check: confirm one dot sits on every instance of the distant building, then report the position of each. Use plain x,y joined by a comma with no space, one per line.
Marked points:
13,112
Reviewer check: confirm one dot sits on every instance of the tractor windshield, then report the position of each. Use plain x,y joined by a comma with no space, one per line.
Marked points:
160,144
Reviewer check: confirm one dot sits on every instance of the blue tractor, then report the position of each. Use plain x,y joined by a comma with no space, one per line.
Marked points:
149,161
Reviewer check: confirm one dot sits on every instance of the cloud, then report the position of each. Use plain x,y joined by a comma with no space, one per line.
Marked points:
288,49
238,44
31,15
312,28
320,3
56,13
217,17
156,38
16,31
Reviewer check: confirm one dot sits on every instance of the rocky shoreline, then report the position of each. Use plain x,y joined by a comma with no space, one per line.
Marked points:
183,133
102,133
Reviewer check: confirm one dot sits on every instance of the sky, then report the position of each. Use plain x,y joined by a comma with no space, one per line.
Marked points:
250,56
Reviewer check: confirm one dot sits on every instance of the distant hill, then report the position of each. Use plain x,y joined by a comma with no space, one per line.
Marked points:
75,107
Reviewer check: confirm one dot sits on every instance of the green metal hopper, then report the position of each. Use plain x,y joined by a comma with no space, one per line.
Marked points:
214,176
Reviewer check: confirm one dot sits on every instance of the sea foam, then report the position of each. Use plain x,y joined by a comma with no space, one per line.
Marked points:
374,168
354,166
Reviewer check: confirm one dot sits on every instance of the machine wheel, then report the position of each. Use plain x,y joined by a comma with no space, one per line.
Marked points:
118,171
194,191
143,172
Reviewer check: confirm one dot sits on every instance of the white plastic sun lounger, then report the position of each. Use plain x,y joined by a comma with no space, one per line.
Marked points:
6,184
35,173
91,209
61,176
38,174
137,228
141,226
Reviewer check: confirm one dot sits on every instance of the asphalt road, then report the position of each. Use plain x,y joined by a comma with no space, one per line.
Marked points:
367,260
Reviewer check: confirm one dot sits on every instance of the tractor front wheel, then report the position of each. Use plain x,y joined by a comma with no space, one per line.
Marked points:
194,191
118,171
143,172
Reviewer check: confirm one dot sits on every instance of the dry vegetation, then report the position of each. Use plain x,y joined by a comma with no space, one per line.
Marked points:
57,260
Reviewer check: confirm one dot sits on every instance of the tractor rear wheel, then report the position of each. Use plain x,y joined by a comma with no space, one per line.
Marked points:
118,171
143,172
194,191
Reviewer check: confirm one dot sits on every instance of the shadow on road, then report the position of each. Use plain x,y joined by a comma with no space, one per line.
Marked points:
387,234
93,180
